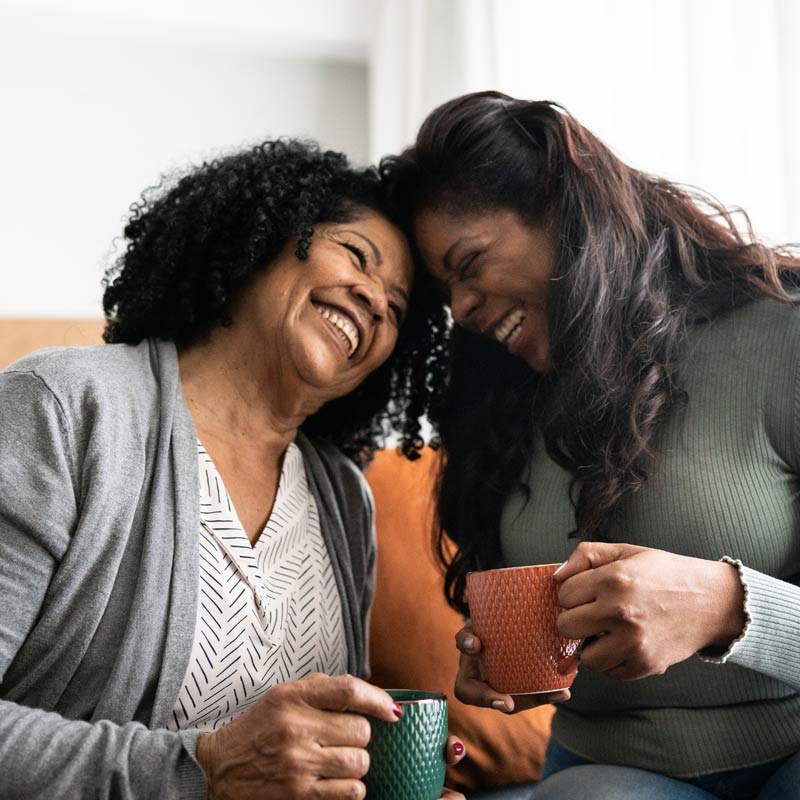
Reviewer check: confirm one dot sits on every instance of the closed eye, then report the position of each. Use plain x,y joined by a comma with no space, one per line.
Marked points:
359,253
398,313
467,267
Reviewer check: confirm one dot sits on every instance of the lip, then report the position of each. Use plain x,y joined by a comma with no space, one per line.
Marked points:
353,316
489,330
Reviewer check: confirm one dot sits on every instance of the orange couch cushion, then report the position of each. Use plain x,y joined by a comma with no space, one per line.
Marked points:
18,337
412,630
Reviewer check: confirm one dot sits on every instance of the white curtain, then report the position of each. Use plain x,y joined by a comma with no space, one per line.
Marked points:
423,52
705,92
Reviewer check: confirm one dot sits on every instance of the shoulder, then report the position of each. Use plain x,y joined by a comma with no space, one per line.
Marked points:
95,363
762,317
764,335
77,377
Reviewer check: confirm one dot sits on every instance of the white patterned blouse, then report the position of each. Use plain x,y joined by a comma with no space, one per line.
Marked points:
268,612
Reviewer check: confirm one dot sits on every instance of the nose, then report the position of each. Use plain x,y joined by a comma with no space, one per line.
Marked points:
463,304
372,294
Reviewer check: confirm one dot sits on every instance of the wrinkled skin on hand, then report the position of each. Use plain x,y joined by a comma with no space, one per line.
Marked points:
303,739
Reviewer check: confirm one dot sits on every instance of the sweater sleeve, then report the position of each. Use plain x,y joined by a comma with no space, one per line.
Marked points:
770,642
41,753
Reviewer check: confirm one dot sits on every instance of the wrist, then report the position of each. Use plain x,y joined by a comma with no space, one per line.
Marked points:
729,620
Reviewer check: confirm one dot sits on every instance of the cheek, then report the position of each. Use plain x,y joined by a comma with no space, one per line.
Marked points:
382,348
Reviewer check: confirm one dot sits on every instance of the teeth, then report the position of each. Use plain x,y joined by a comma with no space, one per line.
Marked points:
344,325
510,327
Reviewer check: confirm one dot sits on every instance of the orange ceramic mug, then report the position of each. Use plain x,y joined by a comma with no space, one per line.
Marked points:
514,613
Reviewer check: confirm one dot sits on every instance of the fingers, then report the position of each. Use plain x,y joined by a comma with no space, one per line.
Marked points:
334,729
473,690
583,622
450,794
346,693
525,702
336,789
342,762
569,664
578,590
454,750
467,642
590,555
602,654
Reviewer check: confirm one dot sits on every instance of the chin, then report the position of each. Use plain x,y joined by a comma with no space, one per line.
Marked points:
539,362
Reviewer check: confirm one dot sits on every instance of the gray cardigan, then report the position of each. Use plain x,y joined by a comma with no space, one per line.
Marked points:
99,526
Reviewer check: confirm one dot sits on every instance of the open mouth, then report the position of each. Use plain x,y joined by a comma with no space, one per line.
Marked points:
344,325
510,329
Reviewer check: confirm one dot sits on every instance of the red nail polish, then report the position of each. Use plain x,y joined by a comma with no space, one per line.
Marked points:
458,748
398,712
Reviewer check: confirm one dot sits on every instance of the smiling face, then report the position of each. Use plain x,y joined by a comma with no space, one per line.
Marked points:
496,271
325,323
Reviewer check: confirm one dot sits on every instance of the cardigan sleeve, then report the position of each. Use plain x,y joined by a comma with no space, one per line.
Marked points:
42,754
368,593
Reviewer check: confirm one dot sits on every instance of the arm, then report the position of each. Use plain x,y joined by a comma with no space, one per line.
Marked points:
644,610
771,642
42,753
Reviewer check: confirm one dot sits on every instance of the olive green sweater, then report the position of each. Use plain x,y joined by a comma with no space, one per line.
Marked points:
725,482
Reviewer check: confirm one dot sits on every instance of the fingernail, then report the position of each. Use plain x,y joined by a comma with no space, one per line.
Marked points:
469,643
397,711
499,705
458,748
559,569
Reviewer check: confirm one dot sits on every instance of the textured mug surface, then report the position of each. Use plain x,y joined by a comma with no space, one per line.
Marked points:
407,757
513,613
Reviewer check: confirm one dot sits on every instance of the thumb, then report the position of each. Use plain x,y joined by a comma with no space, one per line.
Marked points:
590,555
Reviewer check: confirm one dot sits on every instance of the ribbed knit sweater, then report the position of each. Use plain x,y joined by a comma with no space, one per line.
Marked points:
725,482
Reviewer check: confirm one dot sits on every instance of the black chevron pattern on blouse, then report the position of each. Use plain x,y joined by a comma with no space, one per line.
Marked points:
267,613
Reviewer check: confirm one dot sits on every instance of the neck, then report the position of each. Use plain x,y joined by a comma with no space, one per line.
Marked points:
241,395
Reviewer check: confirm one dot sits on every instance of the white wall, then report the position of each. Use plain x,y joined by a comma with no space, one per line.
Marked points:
703,92
98,97
96,105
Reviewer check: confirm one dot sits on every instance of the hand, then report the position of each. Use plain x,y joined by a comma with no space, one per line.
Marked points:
642,610
454,752
472,688
297,742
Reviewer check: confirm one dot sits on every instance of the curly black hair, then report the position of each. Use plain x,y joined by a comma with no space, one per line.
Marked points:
194,243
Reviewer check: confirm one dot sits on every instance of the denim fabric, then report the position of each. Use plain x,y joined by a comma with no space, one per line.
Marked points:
567,775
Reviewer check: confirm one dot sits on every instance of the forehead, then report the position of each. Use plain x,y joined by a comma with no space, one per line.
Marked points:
439,225
442,234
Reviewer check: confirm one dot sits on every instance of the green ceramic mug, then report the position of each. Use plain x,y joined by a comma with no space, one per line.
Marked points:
407,757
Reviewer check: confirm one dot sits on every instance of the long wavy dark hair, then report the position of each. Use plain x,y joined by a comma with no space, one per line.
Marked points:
639,260
195,242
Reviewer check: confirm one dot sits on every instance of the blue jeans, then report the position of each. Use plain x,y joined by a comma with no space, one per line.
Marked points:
570,777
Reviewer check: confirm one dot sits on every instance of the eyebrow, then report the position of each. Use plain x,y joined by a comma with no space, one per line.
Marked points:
447,258
398,290
375,252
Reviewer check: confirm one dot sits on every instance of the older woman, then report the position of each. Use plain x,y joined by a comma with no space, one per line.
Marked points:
626,371
186,551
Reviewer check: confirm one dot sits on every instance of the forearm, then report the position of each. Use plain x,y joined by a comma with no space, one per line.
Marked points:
44,755
771,640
